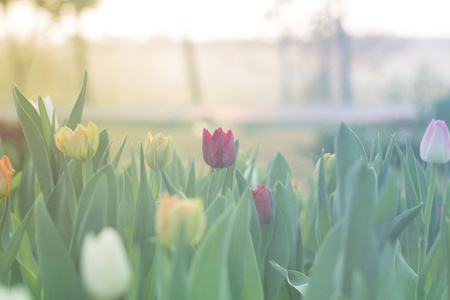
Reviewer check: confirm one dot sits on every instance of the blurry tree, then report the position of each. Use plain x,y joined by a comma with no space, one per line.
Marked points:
329,31
192,71
5,3
427,85
343,43
56,8
323,31
330,37
19,56
284,44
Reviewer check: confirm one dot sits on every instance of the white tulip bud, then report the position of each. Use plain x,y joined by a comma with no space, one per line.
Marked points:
104,265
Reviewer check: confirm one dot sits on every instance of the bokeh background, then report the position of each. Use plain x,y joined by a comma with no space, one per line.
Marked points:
282,74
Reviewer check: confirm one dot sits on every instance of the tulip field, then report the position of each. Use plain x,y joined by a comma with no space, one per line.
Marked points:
76,223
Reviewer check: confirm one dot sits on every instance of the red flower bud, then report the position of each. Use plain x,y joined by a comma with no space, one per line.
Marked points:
263,203
219,150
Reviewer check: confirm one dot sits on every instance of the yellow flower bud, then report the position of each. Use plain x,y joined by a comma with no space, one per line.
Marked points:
330,172
161,147
175,215
74,144
6,174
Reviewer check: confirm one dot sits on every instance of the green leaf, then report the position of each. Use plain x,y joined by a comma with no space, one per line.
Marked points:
409,185
190,181
101,156
208,277
388,199
383,173
178,274
404,273
361,191
401,221
77,111
119,153
170,186
432,276
411,160
58,208
219,206
26,189
212,190
249,172
97,207
28,265
56,269
32,129
322,279
323,215
239,235
295,279
272,280
277,170
230,177
8,257
126,206
285,204
349,150
251,283
144,217
242,183
445,235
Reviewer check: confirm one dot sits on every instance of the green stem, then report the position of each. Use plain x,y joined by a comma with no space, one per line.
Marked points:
427,217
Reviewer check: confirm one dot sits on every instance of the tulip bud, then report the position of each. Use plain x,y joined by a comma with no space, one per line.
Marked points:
75,144
263,203
104,265
6,174
219,150
175,215
14,293
330,172
158,147
48,107
435,145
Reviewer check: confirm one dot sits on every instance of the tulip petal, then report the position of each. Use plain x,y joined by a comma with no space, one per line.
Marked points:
210,149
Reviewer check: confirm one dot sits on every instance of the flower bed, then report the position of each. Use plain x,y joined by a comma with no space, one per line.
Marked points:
75,224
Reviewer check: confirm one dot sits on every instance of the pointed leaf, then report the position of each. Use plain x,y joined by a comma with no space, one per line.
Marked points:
77,111
56,269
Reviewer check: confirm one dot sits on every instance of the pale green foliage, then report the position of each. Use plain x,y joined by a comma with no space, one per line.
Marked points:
361,241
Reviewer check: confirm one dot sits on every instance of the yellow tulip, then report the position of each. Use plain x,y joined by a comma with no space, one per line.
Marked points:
175,215
75,144
330,172
161,147
6,174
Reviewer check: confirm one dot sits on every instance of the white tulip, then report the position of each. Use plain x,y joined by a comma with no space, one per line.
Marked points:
104,265
48,107
15,293
435,145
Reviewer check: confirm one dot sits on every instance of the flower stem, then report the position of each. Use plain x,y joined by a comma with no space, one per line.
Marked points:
427,218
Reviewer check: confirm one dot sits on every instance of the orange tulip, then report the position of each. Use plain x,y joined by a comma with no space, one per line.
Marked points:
6,174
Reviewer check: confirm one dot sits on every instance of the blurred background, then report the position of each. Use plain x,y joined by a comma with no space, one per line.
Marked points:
282,74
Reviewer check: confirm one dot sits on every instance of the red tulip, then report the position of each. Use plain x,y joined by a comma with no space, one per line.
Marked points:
263,203
219,150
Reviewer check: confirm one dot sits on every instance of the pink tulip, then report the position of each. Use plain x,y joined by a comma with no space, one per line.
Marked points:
435,145
263,203
219,150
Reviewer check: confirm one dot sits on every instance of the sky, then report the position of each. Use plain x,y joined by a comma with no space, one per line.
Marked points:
230,19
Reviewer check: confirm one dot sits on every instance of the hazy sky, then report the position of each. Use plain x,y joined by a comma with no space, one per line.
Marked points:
209,19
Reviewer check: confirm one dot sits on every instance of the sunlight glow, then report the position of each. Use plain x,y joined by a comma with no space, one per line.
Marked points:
220,19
